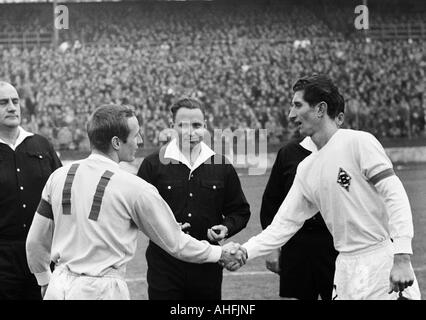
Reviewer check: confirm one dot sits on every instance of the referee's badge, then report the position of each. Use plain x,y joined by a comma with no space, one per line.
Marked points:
344,179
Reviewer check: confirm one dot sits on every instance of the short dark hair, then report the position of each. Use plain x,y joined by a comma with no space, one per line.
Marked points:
319,87
186,102
106,122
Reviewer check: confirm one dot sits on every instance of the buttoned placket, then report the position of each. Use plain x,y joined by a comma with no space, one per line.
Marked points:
190,192
21,189
177,155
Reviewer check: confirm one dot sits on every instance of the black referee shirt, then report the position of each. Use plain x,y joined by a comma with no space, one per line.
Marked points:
23,174
279,184
211,195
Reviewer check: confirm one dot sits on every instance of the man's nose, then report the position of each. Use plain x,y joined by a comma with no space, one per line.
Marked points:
139,141
11,106
186,128
292,114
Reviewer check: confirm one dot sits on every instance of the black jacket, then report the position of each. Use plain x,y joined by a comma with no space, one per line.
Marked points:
212,195
279,184
23,174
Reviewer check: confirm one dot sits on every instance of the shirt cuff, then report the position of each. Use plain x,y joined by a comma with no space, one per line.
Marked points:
402,245
250,252
43,278
215,254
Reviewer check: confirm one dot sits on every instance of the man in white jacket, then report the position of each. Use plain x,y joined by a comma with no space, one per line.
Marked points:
350,180
90,214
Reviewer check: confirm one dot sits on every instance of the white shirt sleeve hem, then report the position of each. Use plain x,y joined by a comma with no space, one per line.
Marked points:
43,278
250,253
215,254
402,245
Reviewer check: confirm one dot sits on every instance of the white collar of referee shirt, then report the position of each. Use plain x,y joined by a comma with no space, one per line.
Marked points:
308,144
99,157
23,134
173,152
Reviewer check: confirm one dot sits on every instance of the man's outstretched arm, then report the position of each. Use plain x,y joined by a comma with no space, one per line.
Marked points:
293,212
154,217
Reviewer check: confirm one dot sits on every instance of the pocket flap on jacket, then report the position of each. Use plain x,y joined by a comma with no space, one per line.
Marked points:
38,154
171,184
212,184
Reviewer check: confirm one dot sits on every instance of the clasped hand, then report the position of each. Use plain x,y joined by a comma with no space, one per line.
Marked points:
233,257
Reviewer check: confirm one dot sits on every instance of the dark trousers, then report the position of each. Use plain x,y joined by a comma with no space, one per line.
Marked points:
16,280
308,265
172,279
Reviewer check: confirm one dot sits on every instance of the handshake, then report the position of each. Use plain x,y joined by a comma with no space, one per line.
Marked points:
233,257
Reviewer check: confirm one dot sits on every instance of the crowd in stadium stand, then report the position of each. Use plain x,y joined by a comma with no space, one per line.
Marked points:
240,61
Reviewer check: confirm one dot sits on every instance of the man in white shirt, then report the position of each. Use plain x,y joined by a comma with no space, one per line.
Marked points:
350,180
90,213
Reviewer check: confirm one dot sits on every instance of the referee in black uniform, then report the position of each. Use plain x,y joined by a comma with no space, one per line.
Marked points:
26,162
204,192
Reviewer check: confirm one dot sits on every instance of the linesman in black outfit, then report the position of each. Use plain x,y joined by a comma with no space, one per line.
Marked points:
204,192
306,263
26,162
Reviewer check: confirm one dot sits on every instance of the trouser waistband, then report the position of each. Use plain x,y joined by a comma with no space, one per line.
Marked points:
370,249
110,273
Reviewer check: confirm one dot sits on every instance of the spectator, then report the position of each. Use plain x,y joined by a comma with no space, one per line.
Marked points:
238,59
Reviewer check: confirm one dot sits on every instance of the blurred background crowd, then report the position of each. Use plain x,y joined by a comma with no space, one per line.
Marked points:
239,58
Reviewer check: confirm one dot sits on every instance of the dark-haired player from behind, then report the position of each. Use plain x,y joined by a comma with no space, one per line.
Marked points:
90,213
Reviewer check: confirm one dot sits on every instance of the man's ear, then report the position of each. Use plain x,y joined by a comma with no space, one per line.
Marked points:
340,119
322,109
115,143
171,123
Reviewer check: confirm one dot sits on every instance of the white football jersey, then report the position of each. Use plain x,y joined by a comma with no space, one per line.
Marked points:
340,180
90,215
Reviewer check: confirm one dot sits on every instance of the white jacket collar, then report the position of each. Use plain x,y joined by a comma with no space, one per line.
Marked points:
99,157
308,144
23,134
173,152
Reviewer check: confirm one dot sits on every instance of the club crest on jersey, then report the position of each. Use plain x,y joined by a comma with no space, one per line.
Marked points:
344,179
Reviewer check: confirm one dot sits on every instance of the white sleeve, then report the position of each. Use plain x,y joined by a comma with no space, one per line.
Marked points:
39,239
154,217
38,245
291,215
399,211
377,168
373,161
